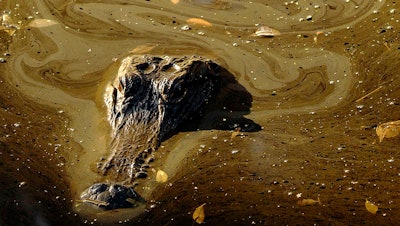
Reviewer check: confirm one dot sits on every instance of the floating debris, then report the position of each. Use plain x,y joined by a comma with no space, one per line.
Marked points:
7,24
265,31
185,27
388,130
21,184
369,94
161,176
39,23
316,35
235,133
372,208
309,202
141,49
199,21
6,20
198,214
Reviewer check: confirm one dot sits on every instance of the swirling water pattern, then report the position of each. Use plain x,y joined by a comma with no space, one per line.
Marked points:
69,51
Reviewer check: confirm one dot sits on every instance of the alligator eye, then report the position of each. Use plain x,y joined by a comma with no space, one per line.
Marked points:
142,67
146,68
171,68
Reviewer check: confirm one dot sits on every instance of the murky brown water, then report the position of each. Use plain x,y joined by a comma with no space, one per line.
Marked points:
317,141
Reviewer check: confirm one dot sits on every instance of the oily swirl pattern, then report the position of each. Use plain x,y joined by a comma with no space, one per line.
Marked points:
85,38
69,49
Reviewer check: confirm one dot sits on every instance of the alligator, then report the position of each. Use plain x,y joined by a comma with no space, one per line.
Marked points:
148,100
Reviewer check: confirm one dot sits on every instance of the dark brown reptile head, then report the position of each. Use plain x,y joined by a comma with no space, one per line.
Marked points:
150,97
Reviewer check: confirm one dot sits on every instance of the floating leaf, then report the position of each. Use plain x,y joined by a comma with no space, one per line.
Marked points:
42,23
235,133
8,30
309,202
161,176
266,31
143,49
388,130
199,21
316,35
372,208
198,214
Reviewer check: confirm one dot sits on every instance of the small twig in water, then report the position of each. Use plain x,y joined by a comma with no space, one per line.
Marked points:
369,94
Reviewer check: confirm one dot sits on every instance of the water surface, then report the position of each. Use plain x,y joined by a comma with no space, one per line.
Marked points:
317,141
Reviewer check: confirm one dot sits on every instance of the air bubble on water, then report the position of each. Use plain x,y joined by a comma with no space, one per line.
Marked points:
234,151
185,27
390,160
21,184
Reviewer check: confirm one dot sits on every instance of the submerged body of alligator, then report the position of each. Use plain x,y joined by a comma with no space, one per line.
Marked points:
150,97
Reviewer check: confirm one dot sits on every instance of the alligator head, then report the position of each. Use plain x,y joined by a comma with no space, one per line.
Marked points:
150,97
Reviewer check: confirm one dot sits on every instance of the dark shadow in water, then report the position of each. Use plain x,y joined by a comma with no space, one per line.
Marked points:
226,110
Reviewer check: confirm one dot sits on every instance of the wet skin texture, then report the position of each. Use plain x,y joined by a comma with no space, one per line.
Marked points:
152,96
